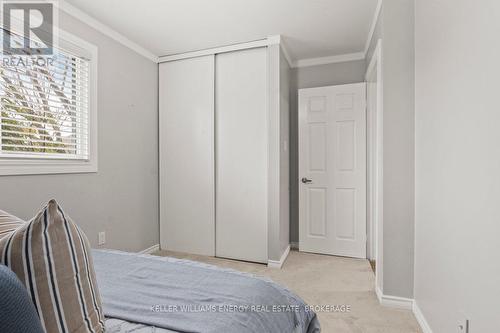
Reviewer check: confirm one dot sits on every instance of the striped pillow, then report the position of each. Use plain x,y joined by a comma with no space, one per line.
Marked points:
51,256
8,223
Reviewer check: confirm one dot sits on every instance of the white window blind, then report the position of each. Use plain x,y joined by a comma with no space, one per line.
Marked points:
45,107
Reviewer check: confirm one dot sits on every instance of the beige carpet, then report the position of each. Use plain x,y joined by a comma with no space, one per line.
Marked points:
328,280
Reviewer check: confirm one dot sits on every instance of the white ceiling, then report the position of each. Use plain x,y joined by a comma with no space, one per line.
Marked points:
310,28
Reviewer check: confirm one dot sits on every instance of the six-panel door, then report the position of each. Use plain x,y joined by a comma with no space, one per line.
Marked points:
332,170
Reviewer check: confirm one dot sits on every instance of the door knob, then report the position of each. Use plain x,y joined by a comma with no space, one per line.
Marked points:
306,181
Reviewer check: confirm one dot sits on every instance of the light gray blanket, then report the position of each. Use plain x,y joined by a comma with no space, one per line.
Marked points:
187,296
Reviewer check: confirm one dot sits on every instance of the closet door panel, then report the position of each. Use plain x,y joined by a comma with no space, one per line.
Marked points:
241,155
187,202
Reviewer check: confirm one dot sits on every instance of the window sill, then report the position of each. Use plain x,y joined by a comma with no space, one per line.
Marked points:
9,167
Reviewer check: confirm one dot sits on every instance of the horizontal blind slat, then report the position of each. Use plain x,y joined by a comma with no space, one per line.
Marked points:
55,75
73,109
81,88
46,129
72,138
51,98
42,105
45,87
36,147
58,143
45,124
72,121
49,71
7,107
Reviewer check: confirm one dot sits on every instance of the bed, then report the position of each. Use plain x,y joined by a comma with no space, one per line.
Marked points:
146,294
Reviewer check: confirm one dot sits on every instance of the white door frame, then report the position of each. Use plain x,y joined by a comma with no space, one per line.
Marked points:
375,167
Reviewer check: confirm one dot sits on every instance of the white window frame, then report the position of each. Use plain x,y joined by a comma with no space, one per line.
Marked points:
43,166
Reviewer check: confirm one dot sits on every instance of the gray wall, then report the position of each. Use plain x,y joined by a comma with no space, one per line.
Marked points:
396,28
310,77
399,146
457,164
122,198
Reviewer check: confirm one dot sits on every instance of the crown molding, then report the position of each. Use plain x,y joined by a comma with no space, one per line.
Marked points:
271,40
374,24
275,39
106,30
329,60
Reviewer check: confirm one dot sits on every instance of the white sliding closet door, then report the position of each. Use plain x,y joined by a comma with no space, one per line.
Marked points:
241,154
187,204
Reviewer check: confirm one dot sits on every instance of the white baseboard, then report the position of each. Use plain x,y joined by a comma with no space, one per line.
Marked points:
294,245
421,319
406,304
151,249
394,301
379,294
279,264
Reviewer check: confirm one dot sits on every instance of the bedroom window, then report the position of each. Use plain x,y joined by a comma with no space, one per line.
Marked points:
48,110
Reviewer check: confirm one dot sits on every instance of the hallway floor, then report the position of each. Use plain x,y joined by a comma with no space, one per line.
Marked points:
329,280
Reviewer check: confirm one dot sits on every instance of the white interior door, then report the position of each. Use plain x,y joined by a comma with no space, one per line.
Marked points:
187,199
332,168
241,155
